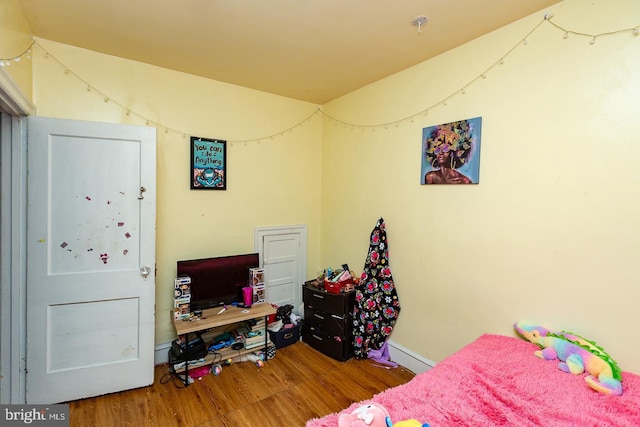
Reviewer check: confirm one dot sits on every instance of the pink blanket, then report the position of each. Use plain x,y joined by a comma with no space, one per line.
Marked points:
497,381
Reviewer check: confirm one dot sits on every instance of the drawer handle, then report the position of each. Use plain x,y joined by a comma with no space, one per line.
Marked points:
318,316
318,296
316,337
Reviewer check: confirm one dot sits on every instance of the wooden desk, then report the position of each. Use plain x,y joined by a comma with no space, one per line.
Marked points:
210,319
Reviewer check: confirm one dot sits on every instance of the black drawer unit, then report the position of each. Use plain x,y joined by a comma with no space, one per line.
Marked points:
327,322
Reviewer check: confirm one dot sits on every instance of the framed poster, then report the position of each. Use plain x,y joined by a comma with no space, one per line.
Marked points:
451,153
208,164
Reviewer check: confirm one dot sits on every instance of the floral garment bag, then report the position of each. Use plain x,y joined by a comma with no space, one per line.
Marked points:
377,307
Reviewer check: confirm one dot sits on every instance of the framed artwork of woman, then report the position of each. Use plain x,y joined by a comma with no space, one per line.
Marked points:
451,152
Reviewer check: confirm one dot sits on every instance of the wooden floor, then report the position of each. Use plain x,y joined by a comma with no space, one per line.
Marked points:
300,383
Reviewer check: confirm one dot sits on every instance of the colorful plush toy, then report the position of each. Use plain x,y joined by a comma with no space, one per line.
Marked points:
373,415
407,423
577,355
370,415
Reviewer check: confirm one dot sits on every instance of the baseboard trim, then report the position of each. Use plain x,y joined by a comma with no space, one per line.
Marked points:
409,359
399,354
161,354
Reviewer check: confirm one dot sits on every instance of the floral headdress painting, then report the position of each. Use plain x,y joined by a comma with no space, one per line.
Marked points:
451,152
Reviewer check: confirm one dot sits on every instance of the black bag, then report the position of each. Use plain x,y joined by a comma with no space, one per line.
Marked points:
193,350
284,313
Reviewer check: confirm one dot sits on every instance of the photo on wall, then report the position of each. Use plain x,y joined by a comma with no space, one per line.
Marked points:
208,164
451,153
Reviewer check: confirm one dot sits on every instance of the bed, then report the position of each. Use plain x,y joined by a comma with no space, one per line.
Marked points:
497,381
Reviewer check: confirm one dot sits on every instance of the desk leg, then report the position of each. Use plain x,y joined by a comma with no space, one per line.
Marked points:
185,381
186,374
266,338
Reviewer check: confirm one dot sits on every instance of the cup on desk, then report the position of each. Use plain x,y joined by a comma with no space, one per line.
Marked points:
247,293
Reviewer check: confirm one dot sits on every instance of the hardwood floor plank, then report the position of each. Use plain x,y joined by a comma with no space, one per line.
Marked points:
300,383
83,412
278,410
316,401
135,406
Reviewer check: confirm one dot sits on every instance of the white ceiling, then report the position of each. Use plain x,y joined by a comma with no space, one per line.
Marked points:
311,50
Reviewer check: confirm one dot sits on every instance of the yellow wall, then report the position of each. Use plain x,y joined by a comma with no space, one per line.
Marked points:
15,39
271,182
552,232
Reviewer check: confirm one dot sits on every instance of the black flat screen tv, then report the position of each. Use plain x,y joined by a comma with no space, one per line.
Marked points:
217,281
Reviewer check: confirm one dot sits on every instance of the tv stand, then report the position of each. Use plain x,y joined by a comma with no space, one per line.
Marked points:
210,319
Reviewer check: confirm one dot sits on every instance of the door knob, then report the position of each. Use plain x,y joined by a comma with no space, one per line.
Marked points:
145,271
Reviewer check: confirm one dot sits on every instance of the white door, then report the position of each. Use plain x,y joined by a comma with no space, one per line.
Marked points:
90,258
283,255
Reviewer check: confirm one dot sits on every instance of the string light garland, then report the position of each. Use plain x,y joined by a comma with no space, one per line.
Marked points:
635,31
5,62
